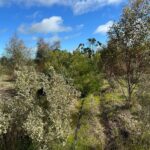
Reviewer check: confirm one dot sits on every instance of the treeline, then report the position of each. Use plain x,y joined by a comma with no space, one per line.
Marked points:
96,97
83,66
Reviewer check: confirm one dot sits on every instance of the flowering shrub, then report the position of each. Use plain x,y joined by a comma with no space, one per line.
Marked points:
41,107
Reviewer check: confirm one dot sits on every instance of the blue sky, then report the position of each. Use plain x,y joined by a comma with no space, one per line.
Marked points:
69,21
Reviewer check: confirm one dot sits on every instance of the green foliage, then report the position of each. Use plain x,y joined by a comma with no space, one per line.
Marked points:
82,70
60,60
125,56
91,133
44,111
85,74
42,54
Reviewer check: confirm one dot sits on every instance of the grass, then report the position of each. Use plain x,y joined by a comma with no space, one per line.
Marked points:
5,82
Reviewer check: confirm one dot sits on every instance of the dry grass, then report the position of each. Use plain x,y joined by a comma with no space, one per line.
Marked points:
6,86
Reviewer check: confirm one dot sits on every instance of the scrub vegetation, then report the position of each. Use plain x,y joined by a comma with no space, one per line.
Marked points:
94,98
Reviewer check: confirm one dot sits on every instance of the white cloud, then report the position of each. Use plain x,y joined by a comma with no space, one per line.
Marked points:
53,24
104,28
50,25
78,6
81,7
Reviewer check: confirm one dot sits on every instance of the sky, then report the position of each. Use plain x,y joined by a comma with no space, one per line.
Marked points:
69,21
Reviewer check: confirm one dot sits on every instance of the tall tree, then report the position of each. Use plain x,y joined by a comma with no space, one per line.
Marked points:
17,52
128,45
90,50
92,42
42,54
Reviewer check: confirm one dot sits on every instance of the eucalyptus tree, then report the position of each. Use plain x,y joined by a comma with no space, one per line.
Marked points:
80,47
89,48
92,42
128,46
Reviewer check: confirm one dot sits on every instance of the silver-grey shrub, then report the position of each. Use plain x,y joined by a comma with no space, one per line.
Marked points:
41,107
